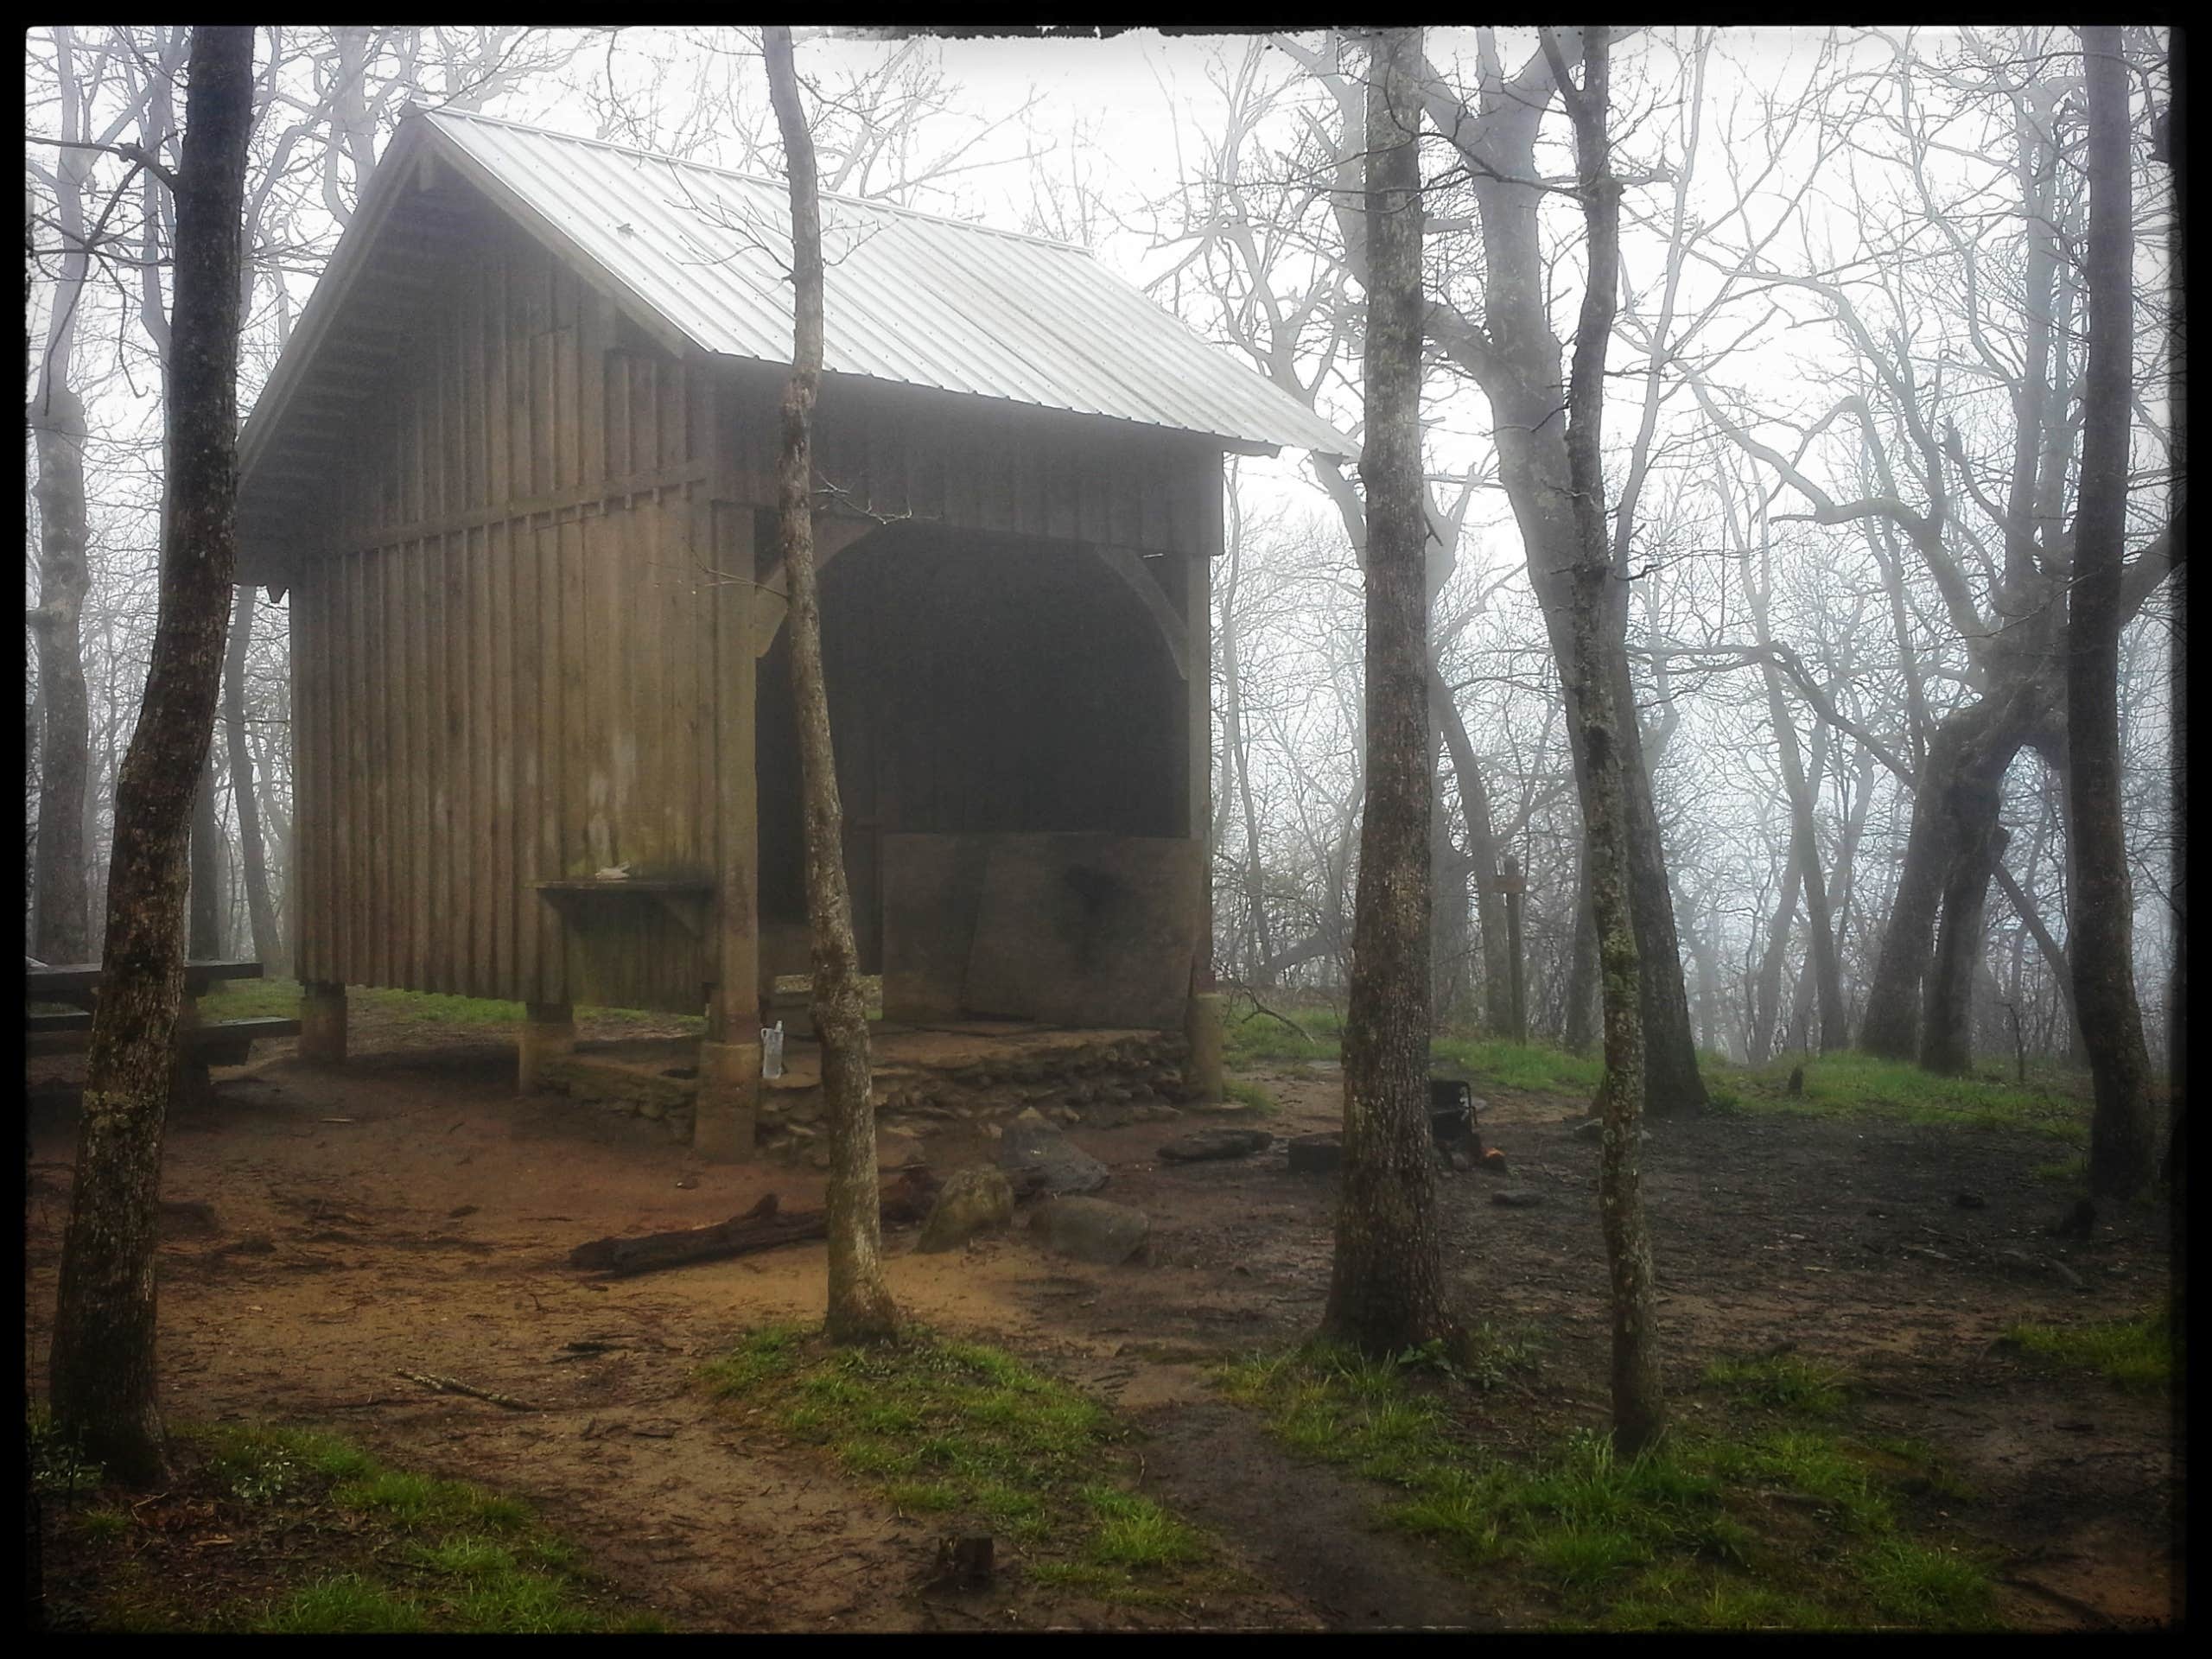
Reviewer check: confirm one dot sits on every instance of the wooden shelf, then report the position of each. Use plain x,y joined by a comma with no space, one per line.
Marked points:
685,900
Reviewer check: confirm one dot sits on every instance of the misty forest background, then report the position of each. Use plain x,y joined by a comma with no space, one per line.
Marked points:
1843,444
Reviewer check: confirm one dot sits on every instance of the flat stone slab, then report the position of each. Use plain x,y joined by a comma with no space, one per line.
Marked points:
1041,1159
1201,1145
1091,1230
973,1200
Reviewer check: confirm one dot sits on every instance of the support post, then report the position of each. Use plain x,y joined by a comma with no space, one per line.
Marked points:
1208,1077
548,1031
322,1022
1202,1014
724,1123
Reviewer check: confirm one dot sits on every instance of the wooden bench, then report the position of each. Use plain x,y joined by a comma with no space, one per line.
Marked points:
69,1030
223,1042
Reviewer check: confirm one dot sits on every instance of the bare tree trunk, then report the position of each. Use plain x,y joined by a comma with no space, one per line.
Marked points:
860,1308
1608,723
1956,801
61,910
1515,358
1386,1288
267,945
205,934
2123,1140
1481,852
1579,1028
1239,763
104,1387
60,921
1766,991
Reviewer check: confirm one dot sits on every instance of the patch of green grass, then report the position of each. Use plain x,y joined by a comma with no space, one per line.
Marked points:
943,1427
1930,1588
1252,1095
60,1468
103,1526
1135,1531
2067,1172
244,998
424,1554
1535,1068
1782,1379
2052,1104
1674,1598
465,1555
347,1603
1704,1531
260,1464
2138,1354
1302,1034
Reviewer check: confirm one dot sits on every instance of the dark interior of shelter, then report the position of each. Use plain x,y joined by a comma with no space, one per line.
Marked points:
979,687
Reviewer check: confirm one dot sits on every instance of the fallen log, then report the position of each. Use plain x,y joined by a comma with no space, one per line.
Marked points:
903,1199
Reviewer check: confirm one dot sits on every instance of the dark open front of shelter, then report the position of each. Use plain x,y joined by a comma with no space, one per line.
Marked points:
516,471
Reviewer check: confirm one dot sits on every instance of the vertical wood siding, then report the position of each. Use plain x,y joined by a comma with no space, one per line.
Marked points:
500,663
504,640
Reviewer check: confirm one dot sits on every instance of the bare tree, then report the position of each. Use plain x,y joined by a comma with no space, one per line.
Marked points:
860,1308
2123,1140
104,1389
1514,357
1598,666
1386,1288
60,915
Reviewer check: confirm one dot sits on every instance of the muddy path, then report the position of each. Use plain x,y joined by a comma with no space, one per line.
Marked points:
328,1230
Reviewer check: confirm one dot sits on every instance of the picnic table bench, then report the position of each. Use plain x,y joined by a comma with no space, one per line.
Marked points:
68,1029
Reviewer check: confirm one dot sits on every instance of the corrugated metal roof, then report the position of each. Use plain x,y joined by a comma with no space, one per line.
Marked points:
907,296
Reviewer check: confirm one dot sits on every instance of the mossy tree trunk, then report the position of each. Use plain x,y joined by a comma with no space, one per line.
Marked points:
103,1373
860,1308
1386,1288
1606,719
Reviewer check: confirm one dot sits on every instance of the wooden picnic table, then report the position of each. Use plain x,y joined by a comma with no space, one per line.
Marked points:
223,1042
80,982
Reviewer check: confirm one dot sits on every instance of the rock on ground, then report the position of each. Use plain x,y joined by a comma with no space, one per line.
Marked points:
1092,1229
1202,1144
973,1200
896,1149
1039,1158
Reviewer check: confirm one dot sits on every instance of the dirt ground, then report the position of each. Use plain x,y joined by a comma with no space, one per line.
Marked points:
408,1212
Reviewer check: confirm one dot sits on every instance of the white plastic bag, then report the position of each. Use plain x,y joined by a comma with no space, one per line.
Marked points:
772,1051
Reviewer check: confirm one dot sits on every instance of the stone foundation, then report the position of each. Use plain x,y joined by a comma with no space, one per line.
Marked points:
923,1080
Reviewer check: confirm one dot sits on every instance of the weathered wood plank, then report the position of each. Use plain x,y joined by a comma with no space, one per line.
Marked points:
526,618
483,736
544,447
461,845
674,410
307,654
620,461
421,771
438,801
553,757
573,465
645,374
505,763
499,391
375,933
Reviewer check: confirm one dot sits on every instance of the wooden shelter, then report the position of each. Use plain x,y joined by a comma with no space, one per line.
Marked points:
515,467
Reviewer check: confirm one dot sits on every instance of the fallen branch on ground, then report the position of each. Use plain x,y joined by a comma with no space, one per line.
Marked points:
1258,1006
904,1198
454,1385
